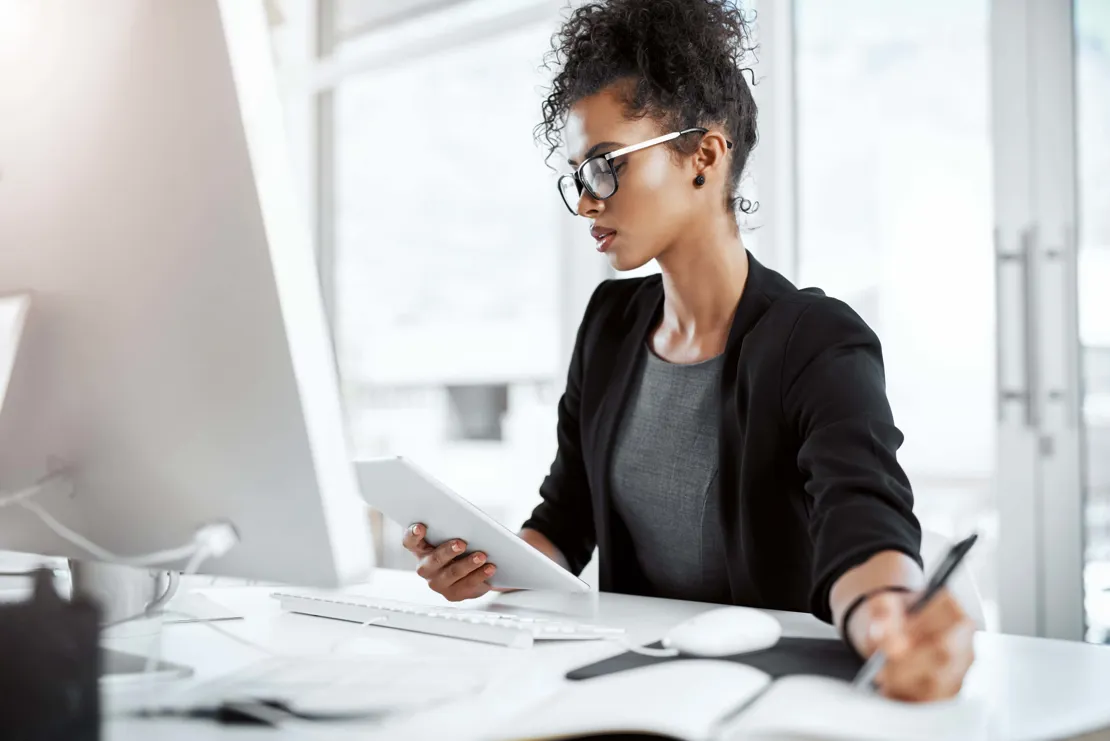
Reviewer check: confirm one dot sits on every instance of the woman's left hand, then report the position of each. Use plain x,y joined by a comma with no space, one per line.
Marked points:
928,653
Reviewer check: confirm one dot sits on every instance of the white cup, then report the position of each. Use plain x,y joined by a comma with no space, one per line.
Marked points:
130,600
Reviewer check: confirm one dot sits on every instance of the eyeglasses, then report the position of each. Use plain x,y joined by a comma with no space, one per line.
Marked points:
597,175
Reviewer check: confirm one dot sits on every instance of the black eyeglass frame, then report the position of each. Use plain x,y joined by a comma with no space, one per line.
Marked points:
607,158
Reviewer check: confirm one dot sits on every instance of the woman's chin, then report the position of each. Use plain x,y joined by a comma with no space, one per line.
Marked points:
623,263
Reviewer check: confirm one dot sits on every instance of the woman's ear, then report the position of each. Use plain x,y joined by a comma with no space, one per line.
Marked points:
712,154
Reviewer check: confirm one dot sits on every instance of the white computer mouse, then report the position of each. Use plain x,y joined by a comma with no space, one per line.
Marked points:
724,632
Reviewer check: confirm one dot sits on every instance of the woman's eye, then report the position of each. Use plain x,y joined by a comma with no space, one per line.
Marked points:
618,166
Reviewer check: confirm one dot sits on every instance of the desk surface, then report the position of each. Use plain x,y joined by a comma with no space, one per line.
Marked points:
1036,688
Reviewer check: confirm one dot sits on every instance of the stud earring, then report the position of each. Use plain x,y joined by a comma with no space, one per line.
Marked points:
699,180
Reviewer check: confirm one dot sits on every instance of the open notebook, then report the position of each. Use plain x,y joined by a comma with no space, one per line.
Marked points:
704,700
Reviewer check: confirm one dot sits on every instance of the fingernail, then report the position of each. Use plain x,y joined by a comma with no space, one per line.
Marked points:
478,558
456,546
490,569
415,530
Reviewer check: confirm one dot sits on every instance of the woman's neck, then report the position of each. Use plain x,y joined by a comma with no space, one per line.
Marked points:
703,278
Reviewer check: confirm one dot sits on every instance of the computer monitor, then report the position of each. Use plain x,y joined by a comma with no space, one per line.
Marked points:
175,356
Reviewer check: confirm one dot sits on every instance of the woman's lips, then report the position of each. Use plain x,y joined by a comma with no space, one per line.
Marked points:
603,237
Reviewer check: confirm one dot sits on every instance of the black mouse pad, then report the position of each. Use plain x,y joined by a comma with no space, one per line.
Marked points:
813,656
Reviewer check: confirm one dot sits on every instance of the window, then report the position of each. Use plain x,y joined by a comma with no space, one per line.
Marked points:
450,273
1092,48
448,228
446,221
895,217
355,17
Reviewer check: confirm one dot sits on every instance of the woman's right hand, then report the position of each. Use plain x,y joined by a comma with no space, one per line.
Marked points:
448,568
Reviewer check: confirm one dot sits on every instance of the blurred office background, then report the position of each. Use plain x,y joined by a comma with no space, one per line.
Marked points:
944,167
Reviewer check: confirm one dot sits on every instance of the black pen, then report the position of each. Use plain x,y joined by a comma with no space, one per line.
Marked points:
937,582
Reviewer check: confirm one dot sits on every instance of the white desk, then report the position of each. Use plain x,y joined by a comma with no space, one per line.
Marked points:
1037,689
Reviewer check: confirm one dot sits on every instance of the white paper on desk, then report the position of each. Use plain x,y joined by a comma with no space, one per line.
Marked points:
681,699
193,607
822,708
698,700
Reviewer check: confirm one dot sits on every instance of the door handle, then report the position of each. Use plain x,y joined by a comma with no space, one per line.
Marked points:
1032,327
1026,392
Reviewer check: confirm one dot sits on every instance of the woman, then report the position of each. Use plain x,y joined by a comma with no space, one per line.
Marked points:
723,436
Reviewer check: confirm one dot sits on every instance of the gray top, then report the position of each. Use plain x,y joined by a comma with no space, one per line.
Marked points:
664,478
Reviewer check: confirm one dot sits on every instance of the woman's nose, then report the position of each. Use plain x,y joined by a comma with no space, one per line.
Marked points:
588,206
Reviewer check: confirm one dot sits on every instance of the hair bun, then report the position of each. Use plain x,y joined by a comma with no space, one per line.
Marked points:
680,62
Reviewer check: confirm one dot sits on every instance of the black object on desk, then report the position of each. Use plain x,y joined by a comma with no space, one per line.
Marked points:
49,667
812,656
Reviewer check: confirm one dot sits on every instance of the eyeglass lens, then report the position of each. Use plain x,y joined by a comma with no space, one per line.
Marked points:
598,177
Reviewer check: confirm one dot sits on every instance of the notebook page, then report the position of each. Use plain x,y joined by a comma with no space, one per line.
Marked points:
820,708
683,699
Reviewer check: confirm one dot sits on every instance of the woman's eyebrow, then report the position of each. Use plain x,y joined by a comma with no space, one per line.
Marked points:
595,149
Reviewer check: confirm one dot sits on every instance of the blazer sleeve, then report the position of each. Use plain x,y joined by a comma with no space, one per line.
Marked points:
565,516
834,395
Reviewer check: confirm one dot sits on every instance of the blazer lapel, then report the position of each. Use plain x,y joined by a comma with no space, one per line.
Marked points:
640,318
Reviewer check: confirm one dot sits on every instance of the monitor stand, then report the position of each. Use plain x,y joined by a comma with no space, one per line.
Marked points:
130,600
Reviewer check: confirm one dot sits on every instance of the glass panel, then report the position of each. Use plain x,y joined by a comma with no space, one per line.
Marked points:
355,17
895,218
1092,42
446,265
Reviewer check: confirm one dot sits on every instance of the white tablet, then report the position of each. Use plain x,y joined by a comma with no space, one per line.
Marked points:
408,495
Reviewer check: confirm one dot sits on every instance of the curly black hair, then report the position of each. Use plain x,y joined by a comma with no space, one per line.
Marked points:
679,62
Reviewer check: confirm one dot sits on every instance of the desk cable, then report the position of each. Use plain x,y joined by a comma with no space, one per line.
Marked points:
632,647
209,541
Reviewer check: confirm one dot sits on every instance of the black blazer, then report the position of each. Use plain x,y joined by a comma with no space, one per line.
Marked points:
810,483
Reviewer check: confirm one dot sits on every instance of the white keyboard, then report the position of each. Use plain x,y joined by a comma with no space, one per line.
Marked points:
452,622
